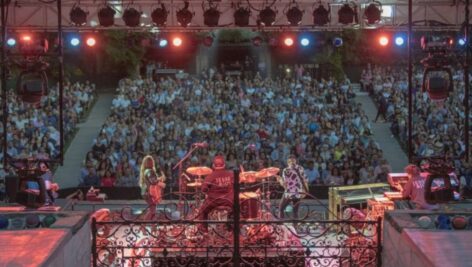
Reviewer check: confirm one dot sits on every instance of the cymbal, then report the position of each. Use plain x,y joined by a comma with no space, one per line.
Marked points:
267,172
200,170
248,177
196,184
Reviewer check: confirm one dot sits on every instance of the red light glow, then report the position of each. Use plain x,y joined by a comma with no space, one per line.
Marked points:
383,40
91,41
177,41
288,41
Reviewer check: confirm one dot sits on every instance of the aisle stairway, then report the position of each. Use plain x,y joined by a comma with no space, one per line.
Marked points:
382,134
68,175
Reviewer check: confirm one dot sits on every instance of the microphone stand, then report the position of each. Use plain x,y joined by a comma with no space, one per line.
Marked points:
181,182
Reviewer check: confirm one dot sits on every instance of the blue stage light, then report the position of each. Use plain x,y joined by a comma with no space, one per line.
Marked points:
338,41
304,41
163,43
11,42
399,41
461,41
75,41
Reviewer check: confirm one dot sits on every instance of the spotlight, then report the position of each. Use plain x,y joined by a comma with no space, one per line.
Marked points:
461,41
337,42
78,16
304,41
177,41
383,40
211,16
208,41
321,15
373,12
106,16
159,15
241,17
163,42
26,38
132,17
267,16
11,42
347,14
399,41
257,41
288,41
184,16
294,15
91,41
74,41
32,46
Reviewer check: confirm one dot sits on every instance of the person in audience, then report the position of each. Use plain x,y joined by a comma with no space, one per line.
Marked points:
108,180
90,178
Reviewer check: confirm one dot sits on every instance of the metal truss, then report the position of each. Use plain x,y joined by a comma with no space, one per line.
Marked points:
36,15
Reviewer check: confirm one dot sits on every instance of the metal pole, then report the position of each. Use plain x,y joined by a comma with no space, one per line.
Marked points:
4,84
379,240
61,81
410,85
466,80
94,241
236,215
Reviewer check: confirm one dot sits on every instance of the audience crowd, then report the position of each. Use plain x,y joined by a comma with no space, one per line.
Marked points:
438,127
255,123
33,131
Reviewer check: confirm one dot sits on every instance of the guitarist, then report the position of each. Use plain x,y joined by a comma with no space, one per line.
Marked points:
295,185
151,185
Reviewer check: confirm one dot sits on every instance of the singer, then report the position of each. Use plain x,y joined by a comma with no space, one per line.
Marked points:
295,184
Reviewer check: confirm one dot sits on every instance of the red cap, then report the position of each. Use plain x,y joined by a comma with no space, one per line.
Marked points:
219,162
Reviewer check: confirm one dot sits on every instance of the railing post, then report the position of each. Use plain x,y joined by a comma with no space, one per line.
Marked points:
236,218
94,243
379,241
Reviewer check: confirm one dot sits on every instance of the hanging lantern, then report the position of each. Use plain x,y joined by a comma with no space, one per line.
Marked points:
32,86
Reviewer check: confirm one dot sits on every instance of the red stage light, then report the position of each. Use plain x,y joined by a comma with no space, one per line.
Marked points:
91,41
177,41
288,41
26,38
383,40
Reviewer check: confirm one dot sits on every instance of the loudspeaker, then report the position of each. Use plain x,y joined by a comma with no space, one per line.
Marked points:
11,187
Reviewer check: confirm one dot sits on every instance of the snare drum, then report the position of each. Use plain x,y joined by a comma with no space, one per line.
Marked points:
250,205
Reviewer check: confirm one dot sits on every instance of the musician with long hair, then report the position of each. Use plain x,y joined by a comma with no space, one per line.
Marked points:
151,184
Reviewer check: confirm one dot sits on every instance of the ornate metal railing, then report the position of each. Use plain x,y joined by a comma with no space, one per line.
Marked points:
252,235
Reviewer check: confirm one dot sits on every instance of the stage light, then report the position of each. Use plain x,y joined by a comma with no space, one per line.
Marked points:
383,40
304,41
288,41
177,41
163,42
78,16
372,14
208,41
267,16
337,42
48,220
11,42
74,41
106,16
91,41
159,15
461,41
26,38
321,15
347,14
211,16
3,222
294,15
184,16
399,41
132,17
32,221
257,41
241,17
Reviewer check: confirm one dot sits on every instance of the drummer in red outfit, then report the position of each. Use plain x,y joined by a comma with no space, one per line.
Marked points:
218,187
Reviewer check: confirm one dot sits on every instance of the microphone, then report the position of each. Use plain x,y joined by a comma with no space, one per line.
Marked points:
201,145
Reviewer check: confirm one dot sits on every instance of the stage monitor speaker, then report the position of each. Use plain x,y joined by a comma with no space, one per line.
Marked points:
11,187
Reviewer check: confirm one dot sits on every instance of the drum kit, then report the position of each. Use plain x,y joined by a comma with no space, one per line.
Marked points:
250,200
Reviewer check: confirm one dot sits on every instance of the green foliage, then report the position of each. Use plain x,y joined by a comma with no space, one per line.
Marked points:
234,36
123,51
